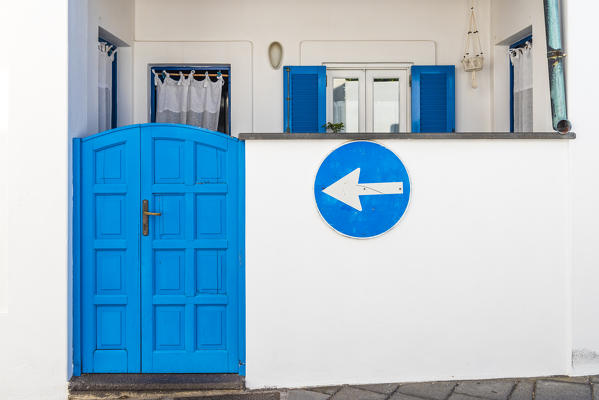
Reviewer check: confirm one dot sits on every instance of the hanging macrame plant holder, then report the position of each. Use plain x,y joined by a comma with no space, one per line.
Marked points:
473,56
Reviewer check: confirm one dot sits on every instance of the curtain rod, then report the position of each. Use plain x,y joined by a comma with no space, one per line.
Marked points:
187,74
177,71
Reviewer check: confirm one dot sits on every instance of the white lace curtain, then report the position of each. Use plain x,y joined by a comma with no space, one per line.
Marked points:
188,100
522,61
105,58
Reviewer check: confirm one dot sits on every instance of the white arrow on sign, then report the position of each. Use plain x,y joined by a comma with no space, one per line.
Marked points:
347,189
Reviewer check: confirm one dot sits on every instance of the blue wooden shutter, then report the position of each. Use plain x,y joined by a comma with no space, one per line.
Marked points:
304,98
433,98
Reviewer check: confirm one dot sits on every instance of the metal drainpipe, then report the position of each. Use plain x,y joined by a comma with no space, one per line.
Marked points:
555,59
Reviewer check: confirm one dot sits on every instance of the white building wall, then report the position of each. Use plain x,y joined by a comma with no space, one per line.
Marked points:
315,32
497,256
509,17
472,283
190,24
33,201
583,84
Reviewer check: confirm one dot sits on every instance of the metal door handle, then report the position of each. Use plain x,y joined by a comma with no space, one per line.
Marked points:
151,213
145,219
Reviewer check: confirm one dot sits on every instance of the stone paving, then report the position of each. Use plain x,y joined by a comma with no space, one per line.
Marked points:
552,388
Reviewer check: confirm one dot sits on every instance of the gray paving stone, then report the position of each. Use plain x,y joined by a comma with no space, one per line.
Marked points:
553,390
428,390
301,394
385,388
325,389
523,391
595,389
496,390
573,379
459,396
401,396
352,393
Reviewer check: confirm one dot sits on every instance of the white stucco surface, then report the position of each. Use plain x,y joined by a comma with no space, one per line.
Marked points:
33,198
583,84
472,283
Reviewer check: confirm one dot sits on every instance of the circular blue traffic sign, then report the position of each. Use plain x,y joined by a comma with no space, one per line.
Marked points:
362,189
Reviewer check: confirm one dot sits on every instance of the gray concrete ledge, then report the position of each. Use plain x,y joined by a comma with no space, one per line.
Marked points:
412,136
178,395
137,382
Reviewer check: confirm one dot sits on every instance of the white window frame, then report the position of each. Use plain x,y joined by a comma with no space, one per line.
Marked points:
402,76
366,73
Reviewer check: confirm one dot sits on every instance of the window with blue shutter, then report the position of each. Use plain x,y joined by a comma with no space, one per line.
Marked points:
304,98
433,98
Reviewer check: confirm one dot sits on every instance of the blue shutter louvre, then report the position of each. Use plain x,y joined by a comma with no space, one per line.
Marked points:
433,103
433,98
305,98
304,103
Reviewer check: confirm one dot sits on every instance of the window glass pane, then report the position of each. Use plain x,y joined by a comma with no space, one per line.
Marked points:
385,104
346,97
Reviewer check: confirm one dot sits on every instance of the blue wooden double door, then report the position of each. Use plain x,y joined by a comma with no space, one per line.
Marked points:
161,252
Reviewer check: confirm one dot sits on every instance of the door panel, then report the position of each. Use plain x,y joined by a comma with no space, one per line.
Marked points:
189,263
110,191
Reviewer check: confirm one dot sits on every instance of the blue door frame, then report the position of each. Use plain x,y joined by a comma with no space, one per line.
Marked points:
204,341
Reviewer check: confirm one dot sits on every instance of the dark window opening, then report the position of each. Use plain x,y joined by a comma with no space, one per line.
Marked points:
174,72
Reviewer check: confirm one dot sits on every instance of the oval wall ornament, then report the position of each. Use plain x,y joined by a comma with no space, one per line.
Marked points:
275,54
362,189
